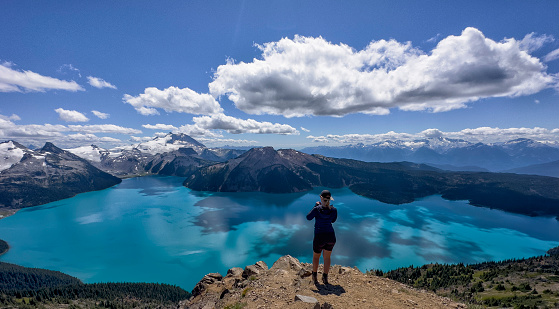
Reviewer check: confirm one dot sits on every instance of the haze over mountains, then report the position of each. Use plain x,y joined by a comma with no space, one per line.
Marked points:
453,154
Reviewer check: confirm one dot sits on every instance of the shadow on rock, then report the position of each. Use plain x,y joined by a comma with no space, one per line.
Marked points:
324,289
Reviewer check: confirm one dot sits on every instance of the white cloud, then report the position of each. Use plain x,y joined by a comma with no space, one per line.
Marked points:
310,76
99,83
140,138
69,67
432,133
236,126
435,38
173,99
18,81
13,117
71,115
39,134
532,41
91,138
486,135
100,114
103,128
305,130
225,141
160,126
554,55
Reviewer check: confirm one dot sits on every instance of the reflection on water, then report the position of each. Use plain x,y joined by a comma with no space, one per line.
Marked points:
152,229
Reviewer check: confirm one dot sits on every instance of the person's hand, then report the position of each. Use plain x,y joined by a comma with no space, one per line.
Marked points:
317,203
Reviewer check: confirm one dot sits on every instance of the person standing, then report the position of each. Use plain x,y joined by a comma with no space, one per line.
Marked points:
324,235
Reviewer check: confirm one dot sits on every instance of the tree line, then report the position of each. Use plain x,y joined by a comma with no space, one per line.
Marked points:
41,285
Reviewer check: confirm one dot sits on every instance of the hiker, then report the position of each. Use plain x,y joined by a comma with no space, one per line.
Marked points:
324,236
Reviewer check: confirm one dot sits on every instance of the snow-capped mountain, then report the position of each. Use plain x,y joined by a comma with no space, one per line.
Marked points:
11,153
170,154
46,175
461,154
168,143
91,153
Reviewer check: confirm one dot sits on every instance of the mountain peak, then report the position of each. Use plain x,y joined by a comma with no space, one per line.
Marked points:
50,147
183,138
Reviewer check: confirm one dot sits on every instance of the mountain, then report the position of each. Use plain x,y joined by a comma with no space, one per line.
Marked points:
47,175
181,151
182,162
462,155
11,153
259,169
169,142
550,169
287,170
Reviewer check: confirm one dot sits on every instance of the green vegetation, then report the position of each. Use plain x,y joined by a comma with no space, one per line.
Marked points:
525,283
22,286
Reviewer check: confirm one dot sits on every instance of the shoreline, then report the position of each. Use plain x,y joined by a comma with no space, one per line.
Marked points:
6,212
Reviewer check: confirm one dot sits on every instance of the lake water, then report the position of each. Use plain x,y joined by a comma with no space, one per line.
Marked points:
152,229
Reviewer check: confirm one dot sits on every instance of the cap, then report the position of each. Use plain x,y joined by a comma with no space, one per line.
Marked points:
326,193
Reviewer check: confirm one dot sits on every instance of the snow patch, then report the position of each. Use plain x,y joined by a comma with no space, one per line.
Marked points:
10,154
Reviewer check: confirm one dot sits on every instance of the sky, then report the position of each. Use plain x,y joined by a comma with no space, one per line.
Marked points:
287,74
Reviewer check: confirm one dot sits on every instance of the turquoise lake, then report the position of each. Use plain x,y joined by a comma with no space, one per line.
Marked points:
152,229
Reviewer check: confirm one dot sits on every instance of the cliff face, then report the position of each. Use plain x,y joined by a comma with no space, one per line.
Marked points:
48,175
288,284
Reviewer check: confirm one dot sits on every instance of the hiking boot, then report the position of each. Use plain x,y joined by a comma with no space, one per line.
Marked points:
314,278
325,278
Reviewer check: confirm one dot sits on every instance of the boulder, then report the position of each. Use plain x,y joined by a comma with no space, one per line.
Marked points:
205,282
253,270
235,272
287,262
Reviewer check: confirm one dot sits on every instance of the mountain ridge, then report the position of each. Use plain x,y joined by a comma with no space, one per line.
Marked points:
47,175
288,171
442,151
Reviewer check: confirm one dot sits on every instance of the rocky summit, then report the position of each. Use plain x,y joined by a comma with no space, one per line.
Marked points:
288,284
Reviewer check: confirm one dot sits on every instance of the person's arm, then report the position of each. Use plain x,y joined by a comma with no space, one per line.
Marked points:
335,215
312,213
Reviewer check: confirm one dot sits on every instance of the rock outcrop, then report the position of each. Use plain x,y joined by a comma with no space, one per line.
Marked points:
287,284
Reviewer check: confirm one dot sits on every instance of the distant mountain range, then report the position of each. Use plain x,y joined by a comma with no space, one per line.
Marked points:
30,178
453,153
172,154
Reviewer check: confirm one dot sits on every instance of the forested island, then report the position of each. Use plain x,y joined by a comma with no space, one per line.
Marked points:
4,247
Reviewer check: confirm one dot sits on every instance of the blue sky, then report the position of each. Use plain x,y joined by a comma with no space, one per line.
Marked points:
287,74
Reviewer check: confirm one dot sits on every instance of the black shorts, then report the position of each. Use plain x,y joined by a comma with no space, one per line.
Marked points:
323,241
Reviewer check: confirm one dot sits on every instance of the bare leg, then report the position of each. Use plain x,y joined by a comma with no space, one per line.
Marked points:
316,261
326,257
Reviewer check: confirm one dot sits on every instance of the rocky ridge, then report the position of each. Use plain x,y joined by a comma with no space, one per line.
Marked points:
287,284
48,175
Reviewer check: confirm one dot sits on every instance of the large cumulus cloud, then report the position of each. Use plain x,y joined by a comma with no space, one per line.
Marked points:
310,76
